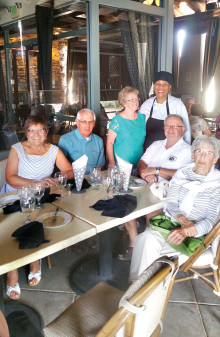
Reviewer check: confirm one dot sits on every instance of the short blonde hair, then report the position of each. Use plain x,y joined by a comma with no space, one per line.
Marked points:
124,93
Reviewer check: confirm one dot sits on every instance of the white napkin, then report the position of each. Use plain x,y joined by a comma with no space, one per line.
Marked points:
125,167
160,189
79,169
123,164
80,163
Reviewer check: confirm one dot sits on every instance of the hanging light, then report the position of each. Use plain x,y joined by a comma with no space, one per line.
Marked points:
184,7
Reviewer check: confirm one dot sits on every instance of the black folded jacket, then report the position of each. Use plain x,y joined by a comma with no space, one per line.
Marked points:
31,235
85,184
15,207
118,207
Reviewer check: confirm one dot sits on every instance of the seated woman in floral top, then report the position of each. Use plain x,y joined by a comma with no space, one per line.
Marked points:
199,126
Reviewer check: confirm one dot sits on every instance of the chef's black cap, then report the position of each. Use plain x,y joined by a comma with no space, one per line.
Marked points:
163,76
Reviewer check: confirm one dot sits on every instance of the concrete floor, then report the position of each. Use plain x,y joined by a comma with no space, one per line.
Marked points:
193,310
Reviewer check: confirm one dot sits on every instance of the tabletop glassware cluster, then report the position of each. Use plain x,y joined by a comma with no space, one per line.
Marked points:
30,197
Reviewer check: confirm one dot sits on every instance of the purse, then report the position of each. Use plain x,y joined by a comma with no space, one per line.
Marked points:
164,225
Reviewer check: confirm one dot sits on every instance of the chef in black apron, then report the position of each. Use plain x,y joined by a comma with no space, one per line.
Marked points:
155,127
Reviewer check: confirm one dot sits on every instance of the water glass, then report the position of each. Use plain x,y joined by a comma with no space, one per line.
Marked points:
39,189
27,201
95,177
107,183
61,181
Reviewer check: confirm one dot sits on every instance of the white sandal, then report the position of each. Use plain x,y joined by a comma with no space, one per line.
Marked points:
15,288
36,275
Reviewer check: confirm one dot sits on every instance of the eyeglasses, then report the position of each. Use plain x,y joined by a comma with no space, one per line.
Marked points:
133,100
205,153
84,123
172,126
35,131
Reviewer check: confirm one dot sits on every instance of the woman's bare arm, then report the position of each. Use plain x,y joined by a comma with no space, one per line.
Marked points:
109,147
64,165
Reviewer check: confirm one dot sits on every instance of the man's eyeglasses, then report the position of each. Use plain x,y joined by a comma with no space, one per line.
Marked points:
38,130
84,123
205,153
172,126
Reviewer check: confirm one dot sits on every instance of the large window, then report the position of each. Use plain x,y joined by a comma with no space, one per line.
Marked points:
128,52
86,34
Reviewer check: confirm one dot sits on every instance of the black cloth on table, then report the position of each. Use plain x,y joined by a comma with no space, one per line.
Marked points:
118,207
30,235
15,207
85,184
47,197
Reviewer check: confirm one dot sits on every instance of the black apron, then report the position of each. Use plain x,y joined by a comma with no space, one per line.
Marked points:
154,127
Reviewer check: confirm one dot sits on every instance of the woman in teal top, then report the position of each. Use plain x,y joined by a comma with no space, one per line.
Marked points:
127,130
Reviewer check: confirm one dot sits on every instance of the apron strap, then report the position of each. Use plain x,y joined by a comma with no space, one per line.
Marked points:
152,108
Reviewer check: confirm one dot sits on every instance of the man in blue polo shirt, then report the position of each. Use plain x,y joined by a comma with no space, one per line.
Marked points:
82,141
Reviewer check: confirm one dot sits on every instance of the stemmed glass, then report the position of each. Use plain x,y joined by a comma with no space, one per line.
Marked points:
61,181
27,201
39,189
95,177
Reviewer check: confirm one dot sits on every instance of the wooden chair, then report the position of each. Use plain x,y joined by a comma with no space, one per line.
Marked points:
202,264
141,308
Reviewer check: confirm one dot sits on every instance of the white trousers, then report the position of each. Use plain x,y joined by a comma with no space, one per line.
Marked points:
149,246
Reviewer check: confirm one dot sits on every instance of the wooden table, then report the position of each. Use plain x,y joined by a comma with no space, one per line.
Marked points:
12,257
86,222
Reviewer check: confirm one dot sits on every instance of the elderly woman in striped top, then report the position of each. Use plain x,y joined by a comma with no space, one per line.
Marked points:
193,200
28,162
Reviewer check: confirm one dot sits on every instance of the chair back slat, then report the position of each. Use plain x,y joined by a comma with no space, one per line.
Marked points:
126,320
210,237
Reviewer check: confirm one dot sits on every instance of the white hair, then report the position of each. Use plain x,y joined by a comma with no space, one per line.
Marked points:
174,116
86,110
211,141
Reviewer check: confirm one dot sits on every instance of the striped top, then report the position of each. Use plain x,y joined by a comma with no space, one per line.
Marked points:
203,193
34,167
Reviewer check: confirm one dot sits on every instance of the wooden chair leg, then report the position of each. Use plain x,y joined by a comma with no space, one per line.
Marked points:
49,262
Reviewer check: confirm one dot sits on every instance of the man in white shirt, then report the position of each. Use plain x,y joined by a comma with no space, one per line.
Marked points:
160,161
156,109
164,157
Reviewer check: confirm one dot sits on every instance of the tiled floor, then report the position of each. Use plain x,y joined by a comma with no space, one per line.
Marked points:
193,310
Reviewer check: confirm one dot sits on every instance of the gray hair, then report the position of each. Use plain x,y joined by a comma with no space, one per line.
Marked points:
80,112
207,141
174,116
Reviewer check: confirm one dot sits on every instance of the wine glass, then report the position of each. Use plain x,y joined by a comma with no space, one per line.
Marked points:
61,181
39,189
27,201
95,177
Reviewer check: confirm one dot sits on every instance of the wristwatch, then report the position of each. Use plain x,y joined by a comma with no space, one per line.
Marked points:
157,171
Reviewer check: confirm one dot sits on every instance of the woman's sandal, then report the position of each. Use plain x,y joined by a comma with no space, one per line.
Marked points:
36,275
16,289
126,256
